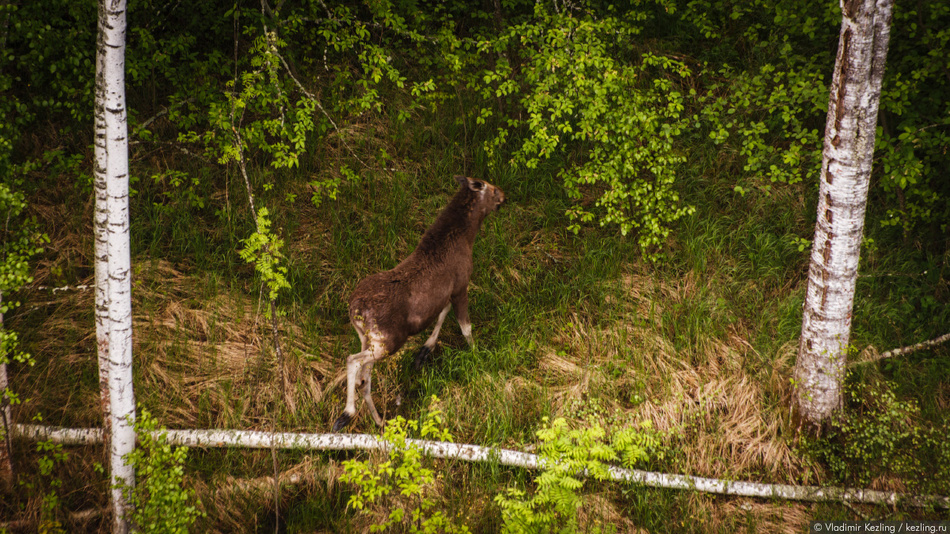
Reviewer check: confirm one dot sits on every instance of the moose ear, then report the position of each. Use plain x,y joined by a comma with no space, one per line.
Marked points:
474,185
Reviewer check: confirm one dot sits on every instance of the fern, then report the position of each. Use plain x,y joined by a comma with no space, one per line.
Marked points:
567,457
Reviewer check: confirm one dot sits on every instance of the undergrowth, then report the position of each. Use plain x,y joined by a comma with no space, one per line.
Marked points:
879,440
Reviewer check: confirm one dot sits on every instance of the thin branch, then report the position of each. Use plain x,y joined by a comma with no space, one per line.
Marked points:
162,113
239,145
284,378
476,453
81,287
273,455
316,101
272,47
182,149
905,350
242,165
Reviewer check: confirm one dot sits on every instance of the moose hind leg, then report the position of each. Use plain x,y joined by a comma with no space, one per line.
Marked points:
366,388
425,351
354,363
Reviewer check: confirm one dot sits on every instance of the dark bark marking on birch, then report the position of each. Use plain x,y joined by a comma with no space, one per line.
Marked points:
825,254
829,178
828,216
849,8
845,56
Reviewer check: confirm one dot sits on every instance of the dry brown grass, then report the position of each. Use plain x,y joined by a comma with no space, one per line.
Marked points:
199,362
718,411
756,516
224,495
205,354
600,510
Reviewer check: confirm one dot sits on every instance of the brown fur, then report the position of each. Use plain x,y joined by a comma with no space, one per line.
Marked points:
388,307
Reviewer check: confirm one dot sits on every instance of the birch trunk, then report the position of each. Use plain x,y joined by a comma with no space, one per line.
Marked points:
113,254
843,190
250,439
100,232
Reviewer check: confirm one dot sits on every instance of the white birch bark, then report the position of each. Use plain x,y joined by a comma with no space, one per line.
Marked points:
100,231
113,253
843,190
475,453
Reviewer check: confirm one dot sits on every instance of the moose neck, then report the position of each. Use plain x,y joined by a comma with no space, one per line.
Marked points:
458,223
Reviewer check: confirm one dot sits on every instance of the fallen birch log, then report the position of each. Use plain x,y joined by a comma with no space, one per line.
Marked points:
475,453
905,350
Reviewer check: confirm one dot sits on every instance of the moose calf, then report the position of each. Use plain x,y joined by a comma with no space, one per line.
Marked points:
386,308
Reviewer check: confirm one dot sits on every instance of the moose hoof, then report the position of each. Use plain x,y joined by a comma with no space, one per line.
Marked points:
342,422
422,357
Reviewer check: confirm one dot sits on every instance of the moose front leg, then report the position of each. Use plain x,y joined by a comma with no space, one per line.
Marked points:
425,351
460,303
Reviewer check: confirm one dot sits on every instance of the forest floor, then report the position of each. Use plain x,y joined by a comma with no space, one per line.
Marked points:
700,343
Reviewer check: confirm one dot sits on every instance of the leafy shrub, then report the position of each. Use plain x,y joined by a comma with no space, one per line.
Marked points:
402,484
582,86
160,502
878,436
48,484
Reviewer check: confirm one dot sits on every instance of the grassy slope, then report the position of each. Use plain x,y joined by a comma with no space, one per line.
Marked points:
701,344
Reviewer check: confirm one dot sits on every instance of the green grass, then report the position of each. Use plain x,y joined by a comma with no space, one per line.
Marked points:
701,343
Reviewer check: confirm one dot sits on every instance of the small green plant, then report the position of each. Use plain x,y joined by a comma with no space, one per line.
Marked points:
567,455
160,502
180,187
51,455
878,435
801,243
262,249
411,506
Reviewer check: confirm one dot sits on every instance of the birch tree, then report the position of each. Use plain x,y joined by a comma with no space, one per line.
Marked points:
843,190
113,254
